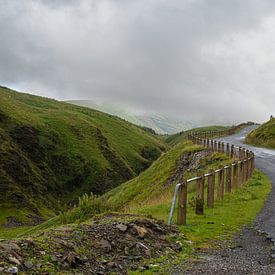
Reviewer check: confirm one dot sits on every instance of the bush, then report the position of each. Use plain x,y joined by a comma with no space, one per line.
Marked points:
88,206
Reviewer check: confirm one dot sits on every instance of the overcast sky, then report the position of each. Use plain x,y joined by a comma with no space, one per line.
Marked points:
212,61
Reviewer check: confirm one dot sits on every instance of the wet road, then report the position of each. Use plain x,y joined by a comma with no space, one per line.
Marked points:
265,161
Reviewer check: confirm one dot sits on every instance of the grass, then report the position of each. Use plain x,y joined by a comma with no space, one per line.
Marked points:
237,210
263,136
53,152
146,189
179,137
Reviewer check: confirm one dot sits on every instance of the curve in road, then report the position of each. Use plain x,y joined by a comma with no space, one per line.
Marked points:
265,161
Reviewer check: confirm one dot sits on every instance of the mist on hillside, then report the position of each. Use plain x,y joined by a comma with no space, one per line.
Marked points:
197,61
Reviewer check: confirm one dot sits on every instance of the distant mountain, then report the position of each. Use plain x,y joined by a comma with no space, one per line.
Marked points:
159,123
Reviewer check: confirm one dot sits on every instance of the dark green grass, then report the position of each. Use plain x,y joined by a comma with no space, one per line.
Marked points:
52,152
263,136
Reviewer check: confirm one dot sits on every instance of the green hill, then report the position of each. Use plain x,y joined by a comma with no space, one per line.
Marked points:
264,135
158,122
52,152
181,136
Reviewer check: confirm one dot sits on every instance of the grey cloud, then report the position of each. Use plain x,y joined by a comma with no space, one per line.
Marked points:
210,61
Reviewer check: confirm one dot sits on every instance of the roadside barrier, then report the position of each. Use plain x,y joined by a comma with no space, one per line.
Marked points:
219,181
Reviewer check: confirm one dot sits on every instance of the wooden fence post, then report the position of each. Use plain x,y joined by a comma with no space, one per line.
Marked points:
235,175
227,149
182,203
200,195
241,173
228,177
211,189
232,154
220,183
240,153
222,148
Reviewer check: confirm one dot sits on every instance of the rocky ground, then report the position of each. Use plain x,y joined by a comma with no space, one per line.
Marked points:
112,244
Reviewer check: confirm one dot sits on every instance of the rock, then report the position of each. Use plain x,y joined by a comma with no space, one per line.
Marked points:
122,227
105,245
142,245
148,253
14,261
12,270
71,258
54,258
140,230
66,244
111,264
28,264
126,250
10,247
178,246
42,252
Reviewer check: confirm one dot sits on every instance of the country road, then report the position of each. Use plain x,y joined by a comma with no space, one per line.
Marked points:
251,252
265,161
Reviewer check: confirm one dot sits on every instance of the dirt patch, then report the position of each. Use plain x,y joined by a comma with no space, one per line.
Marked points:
108,245
13,222
187,162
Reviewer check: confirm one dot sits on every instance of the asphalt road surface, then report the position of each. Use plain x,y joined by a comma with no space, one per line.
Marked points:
265,161
250,252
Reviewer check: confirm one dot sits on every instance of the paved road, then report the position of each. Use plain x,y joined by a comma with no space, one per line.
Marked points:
265,161
251,252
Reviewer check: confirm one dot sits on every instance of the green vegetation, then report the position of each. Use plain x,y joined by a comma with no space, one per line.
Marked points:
264,135
179,137
217,225
154,186
53,152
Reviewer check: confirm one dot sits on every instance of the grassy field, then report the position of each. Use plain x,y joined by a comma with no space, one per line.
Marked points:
263,136
53,152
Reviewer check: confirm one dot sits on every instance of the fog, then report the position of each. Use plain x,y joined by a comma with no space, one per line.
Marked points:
208,61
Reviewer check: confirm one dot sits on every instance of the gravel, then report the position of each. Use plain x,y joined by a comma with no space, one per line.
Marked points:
249,254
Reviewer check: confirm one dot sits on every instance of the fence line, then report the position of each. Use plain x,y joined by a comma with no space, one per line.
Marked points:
229,177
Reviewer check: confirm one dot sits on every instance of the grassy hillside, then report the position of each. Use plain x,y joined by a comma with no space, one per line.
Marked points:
264,135
179,137
52,152
154,186
158,122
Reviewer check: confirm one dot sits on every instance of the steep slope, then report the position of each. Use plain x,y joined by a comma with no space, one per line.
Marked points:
264,135
52,152
159,123
153,187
